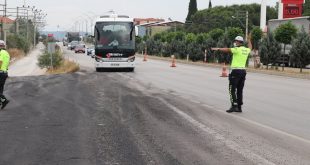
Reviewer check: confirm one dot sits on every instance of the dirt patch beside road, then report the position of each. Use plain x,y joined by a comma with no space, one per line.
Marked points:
16,54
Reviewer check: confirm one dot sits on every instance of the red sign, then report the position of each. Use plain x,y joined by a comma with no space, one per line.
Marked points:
293,1
292,10
50,35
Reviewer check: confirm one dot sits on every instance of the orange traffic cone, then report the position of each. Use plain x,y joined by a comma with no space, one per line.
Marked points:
144,57
173,61
224,71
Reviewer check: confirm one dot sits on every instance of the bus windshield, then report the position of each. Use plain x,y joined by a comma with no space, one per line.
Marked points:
111,35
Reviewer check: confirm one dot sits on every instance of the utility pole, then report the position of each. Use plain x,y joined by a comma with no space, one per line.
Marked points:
247,26
27,28
34,28
5,5
17,21
3,26
86,26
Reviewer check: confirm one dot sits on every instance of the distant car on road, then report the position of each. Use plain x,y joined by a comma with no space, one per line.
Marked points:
69,46
90,50
93,55
73,45
79,49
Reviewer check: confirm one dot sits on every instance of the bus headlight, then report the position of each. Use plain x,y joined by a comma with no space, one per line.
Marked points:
131,59
98,59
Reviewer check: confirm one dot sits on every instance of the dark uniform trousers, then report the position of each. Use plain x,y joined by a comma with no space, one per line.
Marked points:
3,77
236,84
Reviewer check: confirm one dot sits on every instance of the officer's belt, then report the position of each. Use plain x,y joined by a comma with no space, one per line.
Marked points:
238,68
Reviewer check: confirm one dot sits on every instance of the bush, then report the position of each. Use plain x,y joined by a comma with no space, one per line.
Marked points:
153,47
233,32
269,50
216,34
300,52
45,60
256,34
19,42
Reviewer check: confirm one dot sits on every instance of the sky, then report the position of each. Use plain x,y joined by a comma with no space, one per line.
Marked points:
62,14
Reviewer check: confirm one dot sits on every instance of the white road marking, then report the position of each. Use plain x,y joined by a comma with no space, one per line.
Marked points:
81,73
273,129
232,145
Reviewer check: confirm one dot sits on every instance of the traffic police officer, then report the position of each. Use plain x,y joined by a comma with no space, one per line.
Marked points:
238,72
4,64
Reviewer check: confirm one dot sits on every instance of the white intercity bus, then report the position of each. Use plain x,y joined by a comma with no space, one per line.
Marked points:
114,42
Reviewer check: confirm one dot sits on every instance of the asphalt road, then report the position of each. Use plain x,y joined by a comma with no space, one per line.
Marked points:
156,115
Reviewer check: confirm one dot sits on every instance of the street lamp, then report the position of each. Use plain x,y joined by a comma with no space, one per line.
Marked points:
246,23
91,16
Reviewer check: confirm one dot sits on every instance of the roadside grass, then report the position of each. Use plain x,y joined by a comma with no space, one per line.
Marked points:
16,54
67,66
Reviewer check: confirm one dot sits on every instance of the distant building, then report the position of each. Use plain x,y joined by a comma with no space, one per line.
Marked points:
139,21
7,22
150,29
299,22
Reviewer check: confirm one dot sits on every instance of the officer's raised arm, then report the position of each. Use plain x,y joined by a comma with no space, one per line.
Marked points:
225,50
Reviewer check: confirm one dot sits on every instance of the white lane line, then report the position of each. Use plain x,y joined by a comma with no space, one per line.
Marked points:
274,129
232,145
81,73
295,137
208,106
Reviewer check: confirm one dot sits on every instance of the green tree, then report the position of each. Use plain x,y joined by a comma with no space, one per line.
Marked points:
284,34
225,42
306,8
221,17
210,4
192,9
209,43
269,50
19,42
201,38
157,36
179,36
190,38
300,52
233,32
154,47
216,34
256,36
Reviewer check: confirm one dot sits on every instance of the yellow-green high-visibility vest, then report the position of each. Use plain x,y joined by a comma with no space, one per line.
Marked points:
5,58
240,56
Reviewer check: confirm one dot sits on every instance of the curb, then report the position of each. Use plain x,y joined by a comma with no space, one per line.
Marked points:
251,70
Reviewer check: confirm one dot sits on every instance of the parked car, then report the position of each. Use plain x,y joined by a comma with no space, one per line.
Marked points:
79,49
90,50
93,55
74,44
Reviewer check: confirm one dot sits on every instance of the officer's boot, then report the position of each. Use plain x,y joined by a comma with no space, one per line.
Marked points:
233,108
239,109
4,101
